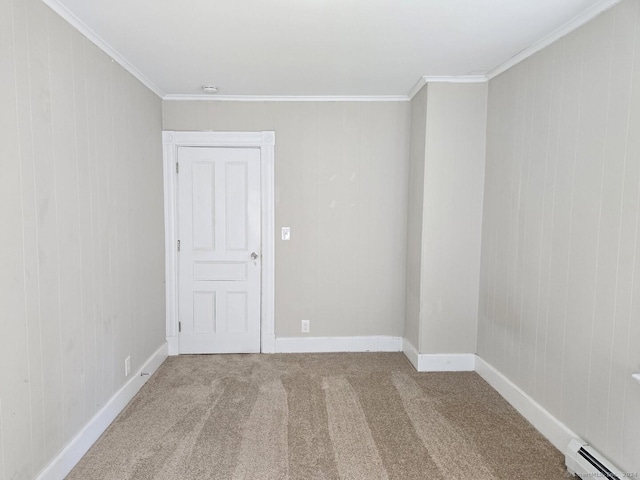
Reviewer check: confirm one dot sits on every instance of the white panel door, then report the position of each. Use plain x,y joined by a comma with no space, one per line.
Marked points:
219,259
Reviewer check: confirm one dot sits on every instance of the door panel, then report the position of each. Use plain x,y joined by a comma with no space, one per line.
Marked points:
202,205
204,312
237,213
237,310
219,229
220,271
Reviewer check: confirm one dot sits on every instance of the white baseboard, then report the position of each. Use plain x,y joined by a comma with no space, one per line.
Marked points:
553,429
410,352
338,344
62,464
268,343
173,343
438,362
447,362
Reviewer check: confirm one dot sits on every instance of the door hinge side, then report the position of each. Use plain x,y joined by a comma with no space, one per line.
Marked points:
179,327
177,168
178,245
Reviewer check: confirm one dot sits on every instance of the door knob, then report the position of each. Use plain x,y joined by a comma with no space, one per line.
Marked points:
254,256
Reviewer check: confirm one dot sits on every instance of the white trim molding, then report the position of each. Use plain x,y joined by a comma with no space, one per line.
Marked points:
573,24
438,362
411,353
62,464
422,81
266,141
447,362
287,98
553,429
85,30
455,79
380,343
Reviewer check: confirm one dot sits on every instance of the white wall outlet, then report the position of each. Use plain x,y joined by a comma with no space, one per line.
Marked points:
305,326
286,233
127,366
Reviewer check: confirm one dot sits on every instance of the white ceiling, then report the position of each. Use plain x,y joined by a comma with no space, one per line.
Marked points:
318,47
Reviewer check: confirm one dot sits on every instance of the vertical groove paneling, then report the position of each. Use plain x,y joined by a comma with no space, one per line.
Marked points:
2,469
14,381
547,77
60,146
608,286
623,208
562,131
47,249
30,230
65,154
547,254
82,229
602,282
629,425
82,208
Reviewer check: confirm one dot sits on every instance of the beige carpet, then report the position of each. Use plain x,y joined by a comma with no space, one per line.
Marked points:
317,416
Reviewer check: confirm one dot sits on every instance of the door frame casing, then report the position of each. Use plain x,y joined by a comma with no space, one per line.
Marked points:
265,141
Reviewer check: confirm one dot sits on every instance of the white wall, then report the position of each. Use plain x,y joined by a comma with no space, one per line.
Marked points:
414,216
81,263
560,288
445,216
452,216
341,185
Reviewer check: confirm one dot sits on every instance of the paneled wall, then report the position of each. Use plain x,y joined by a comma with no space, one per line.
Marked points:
341,185
81,230
414,216
560,285
446,181
452,216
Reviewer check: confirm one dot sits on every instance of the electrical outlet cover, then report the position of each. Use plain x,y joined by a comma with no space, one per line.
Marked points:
305,326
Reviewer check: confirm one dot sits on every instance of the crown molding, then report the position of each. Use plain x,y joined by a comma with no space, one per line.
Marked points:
456,79
422,81
287,98
573,24
329,98
82,27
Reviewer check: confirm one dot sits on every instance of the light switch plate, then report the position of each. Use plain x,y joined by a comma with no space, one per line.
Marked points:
286,233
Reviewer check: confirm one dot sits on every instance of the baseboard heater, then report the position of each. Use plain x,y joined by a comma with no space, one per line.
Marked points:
586,463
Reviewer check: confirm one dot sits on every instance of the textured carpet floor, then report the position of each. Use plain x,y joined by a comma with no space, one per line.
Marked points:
317,416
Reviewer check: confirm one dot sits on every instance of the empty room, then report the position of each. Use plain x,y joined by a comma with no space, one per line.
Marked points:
319,239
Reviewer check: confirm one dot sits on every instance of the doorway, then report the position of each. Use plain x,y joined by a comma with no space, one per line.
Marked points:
219,232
